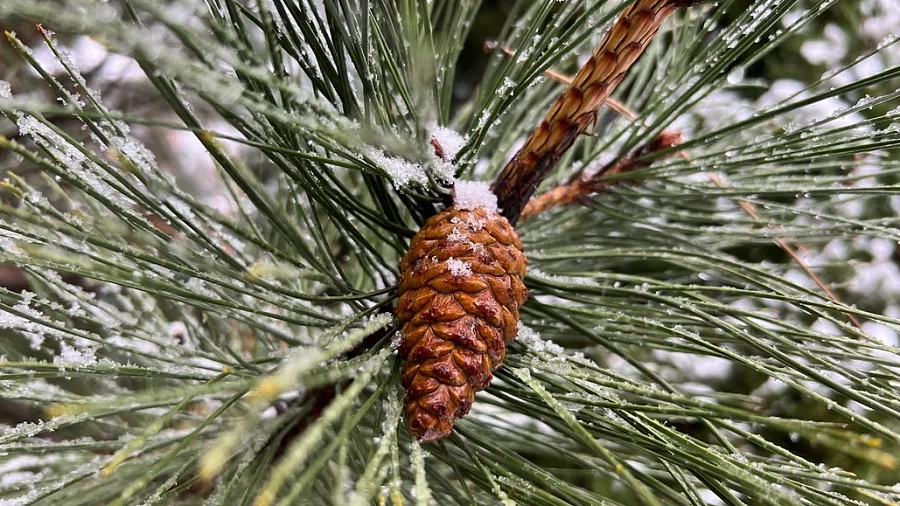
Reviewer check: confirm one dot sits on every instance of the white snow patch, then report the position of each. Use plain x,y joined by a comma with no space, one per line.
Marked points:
402,172
826,327
474,194
457,236
450,140
535,343
881,332
442,169
75,356
771,387
472,223
177,331
459,267
505,87
881,249
879,18
461,236
881,278
134,344
828,51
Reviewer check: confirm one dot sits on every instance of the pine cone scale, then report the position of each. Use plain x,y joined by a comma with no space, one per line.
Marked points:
444,370
430,347
510,325
455,284
443,308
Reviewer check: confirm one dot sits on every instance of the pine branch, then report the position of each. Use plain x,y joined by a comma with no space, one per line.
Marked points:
576,109
206,249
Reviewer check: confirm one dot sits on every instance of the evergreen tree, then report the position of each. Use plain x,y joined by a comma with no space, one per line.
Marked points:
201,233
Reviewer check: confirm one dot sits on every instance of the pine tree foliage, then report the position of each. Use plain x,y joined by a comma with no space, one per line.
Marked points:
233,344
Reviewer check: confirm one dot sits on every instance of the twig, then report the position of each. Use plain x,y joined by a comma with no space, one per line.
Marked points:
581,185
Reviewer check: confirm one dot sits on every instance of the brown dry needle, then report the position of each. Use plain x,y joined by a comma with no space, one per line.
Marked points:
576,108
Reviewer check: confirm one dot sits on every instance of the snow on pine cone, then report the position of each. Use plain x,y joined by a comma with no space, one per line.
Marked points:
460,292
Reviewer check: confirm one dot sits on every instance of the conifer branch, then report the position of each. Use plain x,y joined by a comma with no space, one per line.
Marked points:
579,186
576,108
182,343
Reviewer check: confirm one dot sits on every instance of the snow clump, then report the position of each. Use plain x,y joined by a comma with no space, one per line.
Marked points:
469,195
449,140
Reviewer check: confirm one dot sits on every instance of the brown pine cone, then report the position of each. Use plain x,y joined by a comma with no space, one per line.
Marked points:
460,292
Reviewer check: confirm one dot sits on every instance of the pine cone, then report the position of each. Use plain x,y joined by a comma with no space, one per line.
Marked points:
460,292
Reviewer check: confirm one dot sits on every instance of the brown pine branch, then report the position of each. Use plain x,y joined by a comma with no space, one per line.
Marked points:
561,78
12,278
581,185
576,108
